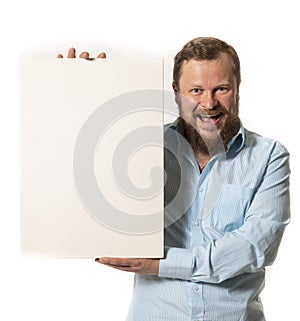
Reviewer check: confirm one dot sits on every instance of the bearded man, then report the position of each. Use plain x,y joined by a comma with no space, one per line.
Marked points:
228,189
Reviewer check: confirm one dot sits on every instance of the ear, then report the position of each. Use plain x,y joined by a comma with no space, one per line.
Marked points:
176,92
174,87
237,101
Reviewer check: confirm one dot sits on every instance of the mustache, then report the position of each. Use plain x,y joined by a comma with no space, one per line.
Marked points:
199,111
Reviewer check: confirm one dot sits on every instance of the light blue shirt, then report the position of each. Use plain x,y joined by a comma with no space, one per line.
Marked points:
223,226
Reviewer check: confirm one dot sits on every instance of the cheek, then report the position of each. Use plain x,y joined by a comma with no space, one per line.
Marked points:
187,105
232,111
231,104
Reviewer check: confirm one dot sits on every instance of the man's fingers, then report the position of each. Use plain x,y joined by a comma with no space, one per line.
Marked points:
117,261
122,264
84,55
72,53
122,268
102,55
136,265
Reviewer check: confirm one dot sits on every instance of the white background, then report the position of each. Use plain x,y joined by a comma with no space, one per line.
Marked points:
265,34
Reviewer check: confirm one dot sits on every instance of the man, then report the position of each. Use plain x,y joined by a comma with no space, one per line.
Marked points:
237,186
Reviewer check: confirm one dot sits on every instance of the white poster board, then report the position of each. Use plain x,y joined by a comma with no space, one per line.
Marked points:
92,157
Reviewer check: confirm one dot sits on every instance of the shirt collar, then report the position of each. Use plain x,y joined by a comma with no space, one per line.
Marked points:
238,140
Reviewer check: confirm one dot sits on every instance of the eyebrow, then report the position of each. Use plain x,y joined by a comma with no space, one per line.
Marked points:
222,84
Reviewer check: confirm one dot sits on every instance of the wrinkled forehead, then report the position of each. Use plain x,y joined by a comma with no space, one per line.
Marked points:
222,60
219,68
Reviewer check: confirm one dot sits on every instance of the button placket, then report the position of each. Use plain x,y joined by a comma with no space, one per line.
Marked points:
196,288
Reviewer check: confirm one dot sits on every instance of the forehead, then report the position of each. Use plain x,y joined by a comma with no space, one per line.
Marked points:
219,69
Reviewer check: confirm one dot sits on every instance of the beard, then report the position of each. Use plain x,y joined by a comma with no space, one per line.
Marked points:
214,143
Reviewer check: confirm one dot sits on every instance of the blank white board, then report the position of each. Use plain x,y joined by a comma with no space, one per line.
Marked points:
92,157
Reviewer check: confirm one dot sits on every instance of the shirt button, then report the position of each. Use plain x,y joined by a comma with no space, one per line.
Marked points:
196,223
196,287
200,189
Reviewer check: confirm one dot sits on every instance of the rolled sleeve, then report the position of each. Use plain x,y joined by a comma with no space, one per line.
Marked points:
178,264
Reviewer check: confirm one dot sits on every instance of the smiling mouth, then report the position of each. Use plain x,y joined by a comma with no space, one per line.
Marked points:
210,119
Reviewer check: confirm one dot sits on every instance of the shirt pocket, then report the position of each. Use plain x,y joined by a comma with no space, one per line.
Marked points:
230,208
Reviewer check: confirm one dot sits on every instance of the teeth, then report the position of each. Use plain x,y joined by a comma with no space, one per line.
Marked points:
205,119
207,116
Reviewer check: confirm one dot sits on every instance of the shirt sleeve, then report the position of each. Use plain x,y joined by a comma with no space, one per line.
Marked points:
247,249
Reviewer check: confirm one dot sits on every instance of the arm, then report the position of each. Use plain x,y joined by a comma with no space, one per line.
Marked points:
248,249
245,250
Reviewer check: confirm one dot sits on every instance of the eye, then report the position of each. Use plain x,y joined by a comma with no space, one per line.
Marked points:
196,91
222,89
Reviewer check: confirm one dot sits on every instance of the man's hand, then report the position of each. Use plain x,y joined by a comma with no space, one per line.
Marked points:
85,55
140,266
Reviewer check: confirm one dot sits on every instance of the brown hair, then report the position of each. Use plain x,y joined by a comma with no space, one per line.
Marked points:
205,48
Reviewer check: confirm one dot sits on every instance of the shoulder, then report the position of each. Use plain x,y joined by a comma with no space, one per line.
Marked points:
263,144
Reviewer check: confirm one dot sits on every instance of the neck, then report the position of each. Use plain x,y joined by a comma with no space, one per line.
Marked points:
202,160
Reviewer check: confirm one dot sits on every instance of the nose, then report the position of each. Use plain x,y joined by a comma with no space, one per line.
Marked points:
208,100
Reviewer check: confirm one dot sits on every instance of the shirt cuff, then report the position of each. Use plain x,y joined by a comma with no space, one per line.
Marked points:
178,264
